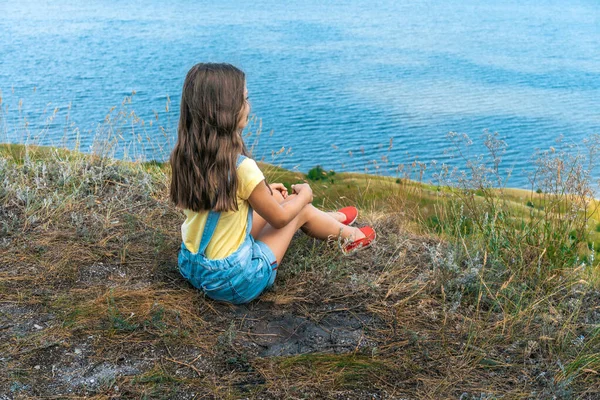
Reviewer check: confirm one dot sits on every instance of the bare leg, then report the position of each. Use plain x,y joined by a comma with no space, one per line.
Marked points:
314,222
258,222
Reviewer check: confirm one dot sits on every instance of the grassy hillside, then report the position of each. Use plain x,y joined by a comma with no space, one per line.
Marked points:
471,292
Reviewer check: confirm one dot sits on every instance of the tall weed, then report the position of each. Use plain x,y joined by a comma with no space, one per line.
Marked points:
526,236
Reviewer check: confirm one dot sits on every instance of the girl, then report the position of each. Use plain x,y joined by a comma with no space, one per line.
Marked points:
238,228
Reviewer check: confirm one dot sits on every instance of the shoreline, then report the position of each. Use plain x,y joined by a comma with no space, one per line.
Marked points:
19,147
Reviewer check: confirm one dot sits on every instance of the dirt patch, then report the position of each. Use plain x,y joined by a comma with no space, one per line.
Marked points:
101,274
62,368
111,275
17,321
91,378
591,307
283,333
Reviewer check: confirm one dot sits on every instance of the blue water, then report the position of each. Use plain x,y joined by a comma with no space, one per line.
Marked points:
332,82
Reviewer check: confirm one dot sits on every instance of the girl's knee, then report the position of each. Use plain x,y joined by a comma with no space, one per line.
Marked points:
307,212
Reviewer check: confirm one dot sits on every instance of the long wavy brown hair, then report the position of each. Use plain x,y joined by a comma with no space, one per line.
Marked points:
209,141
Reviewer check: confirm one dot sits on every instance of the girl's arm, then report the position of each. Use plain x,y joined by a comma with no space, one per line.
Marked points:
279,215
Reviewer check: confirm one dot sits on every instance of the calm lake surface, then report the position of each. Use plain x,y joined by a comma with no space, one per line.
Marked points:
334,81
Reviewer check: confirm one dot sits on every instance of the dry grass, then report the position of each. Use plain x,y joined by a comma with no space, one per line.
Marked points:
92,304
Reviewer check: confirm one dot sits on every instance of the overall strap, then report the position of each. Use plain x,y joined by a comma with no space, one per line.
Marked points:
213,219
240,159
249,222
209,230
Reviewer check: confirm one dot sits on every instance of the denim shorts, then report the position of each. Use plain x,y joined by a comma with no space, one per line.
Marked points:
239,278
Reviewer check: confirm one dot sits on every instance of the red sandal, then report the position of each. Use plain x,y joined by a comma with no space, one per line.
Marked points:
351,213
360,244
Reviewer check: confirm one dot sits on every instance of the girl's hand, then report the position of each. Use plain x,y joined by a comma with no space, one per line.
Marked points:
280,188
303,189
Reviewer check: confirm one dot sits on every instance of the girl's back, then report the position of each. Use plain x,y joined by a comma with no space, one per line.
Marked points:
236,229
231,228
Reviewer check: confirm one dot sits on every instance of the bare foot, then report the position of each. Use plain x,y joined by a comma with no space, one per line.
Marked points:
338,216
357,234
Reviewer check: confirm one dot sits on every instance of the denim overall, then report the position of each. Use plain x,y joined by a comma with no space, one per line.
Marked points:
238,278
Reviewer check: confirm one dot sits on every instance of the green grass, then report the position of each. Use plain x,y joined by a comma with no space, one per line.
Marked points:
345,370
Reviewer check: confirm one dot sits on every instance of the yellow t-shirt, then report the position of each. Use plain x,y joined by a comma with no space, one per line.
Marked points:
231,228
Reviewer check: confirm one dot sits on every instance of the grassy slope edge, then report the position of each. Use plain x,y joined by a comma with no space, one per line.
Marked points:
471,294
